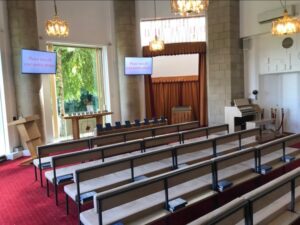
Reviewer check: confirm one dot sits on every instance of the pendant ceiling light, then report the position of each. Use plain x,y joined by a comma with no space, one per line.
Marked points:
156,44
285,25
57,27
189,7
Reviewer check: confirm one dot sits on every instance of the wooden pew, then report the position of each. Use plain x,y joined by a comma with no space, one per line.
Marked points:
234,169
119,172
44,152
116,197
156,156
95,155
204,132
274,153
101,154
149,144
229,214
148,195
272,203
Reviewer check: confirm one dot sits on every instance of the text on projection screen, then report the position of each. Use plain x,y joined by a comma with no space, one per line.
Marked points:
179,65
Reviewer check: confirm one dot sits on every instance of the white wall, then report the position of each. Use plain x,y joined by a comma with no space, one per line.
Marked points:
277,85
179,65
249,11
9,104
91,24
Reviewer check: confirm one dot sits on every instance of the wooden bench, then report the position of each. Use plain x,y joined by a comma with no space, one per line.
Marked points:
44,153
156,159
99,155
116,198
272,203
276,153
149,195
56,148
96,155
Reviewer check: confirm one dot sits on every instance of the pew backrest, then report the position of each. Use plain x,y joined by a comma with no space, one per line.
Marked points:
239,209
96,153
161,140
46,150
188,125
130,192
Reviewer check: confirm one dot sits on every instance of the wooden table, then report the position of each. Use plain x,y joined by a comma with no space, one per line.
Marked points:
75,121
30,135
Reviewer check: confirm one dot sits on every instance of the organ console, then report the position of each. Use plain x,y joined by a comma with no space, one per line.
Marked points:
243,111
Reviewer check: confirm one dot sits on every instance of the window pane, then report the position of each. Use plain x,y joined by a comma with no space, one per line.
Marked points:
190,29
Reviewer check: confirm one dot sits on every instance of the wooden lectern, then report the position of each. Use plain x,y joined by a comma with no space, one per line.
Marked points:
181,114
30,135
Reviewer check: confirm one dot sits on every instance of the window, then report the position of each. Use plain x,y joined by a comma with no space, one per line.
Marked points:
78,87
192,29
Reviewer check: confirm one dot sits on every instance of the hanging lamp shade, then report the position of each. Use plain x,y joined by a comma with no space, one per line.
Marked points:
286,25
189,7
156,44
57,27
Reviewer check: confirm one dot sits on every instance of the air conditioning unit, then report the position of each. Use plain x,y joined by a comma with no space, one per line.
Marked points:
269,16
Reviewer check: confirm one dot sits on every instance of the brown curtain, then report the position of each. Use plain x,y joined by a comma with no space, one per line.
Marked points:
192,93
203,115
175,91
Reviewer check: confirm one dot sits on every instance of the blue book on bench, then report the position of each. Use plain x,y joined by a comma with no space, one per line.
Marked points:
223,184
64,178
264,169
118,223
287,158
88,196
138,178
182,165
46,165
176,204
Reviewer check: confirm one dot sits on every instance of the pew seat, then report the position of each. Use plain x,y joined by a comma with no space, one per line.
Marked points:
105,182
233,218
135,211
115,179
44,160
70,169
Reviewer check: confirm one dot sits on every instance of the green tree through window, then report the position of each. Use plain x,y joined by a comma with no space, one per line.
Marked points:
78,87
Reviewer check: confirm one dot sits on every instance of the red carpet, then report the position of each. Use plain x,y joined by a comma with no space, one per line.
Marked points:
24,202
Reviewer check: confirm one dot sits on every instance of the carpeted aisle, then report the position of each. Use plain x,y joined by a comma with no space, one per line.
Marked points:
24,202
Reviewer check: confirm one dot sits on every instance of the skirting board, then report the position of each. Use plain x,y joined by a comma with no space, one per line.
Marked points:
14,155
26,152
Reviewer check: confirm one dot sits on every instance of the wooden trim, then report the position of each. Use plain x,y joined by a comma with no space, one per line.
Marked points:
173,79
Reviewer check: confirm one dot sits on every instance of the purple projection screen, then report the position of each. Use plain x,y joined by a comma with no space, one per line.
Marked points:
38,62
138,65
